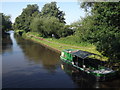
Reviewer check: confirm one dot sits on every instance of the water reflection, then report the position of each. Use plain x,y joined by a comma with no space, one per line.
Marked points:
31,65
86,81
39,54
6,44
78,77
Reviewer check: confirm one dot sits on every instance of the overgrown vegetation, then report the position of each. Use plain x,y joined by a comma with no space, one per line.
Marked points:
100,27
49,22
104,28
23,21
5,23
48,26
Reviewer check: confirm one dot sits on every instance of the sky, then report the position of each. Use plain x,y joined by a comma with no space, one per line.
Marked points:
72,9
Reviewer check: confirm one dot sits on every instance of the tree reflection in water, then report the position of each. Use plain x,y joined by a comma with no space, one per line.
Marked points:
85,81
39,54
41,59
78,77
6,44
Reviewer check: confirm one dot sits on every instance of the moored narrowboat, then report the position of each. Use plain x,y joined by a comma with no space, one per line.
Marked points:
87,62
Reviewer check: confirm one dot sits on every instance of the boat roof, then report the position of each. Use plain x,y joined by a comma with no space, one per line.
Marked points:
80,53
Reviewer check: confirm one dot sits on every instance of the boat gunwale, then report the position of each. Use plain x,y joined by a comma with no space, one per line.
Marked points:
89,72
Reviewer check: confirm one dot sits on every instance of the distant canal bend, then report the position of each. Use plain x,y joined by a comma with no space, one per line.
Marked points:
26,64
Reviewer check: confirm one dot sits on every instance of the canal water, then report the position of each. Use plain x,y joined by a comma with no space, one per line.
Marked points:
26,64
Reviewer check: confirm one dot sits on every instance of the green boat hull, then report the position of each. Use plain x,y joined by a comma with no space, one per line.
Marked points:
97,76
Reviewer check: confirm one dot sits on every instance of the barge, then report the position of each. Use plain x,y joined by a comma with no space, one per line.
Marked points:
87,62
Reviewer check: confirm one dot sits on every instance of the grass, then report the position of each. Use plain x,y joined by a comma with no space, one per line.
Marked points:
63,43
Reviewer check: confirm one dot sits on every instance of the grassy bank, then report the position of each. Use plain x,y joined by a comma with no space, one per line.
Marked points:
60,44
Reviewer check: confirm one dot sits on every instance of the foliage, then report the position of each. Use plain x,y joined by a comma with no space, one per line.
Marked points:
19,32
36,25
65,31
107,20
46,26
50,10
105,29
23,21
47,23
73,40
85,29
87,5
63,43
5,23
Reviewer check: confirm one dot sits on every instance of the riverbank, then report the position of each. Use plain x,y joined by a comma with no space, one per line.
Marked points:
56,45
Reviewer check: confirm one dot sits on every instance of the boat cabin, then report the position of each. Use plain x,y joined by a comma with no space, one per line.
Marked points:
82,58
88,62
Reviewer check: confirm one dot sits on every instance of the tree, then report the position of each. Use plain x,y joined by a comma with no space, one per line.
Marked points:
6,24
106,28
46,26
51,9
107,20
37,25
23,21
84,29
65,31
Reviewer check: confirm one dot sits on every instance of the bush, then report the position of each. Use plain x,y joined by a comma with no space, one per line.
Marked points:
48,26
19,32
